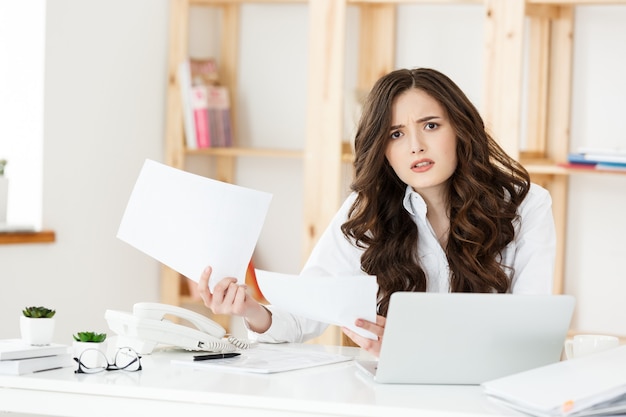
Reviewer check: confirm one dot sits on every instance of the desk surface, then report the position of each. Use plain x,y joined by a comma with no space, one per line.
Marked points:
163,388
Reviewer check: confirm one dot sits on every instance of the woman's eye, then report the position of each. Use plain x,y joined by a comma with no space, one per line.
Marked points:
431,126
396,134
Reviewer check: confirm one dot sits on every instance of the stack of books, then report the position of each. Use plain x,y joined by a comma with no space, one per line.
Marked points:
206,105
598,158
18,358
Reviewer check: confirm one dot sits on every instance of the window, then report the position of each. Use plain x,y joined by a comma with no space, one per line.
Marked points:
22,53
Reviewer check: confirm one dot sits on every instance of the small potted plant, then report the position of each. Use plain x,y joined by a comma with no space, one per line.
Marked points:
37,325
95,344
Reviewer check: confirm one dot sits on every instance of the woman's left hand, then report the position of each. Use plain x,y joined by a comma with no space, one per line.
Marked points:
378,328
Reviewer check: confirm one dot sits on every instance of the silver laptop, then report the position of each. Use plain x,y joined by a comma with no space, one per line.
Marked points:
466,338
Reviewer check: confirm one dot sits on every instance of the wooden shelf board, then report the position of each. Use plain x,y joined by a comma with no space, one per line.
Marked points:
267,153
43,236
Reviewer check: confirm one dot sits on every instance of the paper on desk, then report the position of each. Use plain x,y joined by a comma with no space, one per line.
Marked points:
187,222
336,300
585,386
268,359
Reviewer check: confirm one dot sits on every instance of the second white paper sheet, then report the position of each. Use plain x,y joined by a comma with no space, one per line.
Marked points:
187,222
334,300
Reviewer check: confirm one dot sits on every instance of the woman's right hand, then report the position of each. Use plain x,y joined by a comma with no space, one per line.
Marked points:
229,297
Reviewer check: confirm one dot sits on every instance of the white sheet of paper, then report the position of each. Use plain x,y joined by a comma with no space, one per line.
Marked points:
187,222
334,300
268,359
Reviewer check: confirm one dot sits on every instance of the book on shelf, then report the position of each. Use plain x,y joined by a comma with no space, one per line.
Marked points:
203,71
592,385
184,80
219,115
598,155
199,104
206,105
18,349
620,152
597,161
38,364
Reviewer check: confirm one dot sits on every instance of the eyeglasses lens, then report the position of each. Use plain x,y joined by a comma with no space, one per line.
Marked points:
92,361
127,359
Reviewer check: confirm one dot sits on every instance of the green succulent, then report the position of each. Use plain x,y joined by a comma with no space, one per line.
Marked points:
90,337
38,312
3,163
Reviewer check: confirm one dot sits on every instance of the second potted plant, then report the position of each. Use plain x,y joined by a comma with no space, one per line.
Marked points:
90,348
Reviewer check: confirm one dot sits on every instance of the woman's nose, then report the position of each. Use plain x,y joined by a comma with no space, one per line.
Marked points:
416,144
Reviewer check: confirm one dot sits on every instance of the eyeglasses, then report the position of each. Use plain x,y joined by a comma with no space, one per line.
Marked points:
92,361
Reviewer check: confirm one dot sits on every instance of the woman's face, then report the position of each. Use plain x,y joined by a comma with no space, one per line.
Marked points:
422,148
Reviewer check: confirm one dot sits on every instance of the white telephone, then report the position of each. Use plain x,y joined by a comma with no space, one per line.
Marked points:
146,327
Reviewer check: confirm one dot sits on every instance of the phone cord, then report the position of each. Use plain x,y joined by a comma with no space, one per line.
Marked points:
240,344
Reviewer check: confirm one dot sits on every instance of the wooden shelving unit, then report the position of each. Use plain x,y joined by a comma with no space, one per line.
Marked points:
550,26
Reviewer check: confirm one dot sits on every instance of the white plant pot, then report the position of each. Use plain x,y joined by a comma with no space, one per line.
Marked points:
91,358
4,198
38,331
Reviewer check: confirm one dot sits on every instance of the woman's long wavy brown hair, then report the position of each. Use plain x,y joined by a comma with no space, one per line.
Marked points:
484,193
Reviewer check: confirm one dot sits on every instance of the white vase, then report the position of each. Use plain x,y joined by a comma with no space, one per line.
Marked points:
38,332
4,198
95,355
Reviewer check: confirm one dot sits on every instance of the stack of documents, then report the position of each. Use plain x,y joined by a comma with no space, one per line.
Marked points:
593,385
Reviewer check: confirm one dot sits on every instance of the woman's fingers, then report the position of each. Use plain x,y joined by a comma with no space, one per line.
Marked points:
203,286
220,295
369,345
227,297
377,329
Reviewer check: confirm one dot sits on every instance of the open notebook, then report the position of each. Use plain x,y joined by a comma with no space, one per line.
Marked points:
462,338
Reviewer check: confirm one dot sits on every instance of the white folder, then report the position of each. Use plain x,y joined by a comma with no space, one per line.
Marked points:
592,385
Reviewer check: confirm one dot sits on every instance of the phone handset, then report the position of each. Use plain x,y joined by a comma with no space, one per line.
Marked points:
147,327
157,311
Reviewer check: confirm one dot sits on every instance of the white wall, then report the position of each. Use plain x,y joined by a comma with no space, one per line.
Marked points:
596,224
104,113
105,76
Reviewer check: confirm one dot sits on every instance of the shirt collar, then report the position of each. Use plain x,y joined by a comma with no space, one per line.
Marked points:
414,203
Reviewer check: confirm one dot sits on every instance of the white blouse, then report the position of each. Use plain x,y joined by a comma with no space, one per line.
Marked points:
531,255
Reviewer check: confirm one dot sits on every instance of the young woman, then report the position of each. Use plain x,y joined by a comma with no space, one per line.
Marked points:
436,206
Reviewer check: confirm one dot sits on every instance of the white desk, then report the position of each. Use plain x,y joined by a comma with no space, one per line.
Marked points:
164,389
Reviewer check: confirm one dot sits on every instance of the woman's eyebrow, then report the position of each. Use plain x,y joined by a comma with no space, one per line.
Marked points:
421,120
427,118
